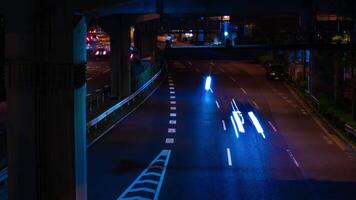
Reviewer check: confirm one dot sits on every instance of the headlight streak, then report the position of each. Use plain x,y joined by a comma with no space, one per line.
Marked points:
208,83
256,123
238,121
234,125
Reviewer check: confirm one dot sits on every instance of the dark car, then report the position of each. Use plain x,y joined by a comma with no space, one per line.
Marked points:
274,71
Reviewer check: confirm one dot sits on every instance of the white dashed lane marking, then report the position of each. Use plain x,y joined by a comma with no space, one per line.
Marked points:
217,104
255,104
173,114
173,102
223,124
169,140
244,91
272,126
173,108
171,130
171,122
293,158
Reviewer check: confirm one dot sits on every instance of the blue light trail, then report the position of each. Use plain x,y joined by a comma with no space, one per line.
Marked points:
256,123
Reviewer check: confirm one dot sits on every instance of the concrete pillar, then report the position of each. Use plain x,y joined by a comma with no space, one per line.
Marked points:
2,59
149,40
307,19
118,28
45,81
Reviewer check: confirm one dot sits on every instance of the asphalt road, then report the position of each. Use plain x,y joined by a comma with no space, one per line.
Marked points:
98,75
181,144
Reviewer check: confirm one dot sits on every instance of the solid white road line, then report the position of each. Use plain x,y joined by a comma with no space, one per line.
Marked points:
254,103
244,91
172,122
173,114
232,79
169,140
293,158
211,90
171,130
217,104
224,125
212,64
229,161
89,79
173,108
274,128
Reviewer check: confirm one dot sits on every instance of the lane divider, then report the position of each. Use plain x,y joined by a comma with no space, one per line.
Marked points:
244,91
171,122
169,140
217,104
293,158
149,183
272,126
171,130
256,105
224,125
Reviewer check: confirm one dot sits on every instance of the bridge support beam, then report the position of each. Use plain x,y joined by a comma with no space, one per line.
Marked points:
45,54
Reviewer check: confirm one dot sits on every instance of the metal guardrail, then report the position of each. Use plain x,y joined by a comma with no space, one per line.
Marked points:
349,129
4,172
3,175
312,98
96,120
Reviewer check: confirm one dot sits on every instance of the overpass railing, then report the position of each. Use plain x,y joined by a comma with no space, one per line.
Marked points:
110,117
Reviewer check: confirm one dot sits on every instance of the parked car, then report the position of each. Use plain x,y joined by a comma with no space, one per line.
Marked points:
274,71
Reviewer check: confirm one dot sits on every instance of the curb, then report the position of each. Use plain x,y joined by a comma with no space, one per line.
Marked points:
326,123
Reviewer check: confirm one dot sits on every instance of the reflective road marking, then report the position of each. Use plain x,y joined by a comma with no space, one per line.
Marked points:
217,104
148,184
244,91
293,158
274,128
224,125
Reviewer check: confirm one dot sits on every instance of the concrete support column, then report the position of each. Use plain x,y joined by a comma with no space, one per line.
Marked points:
307,20
119,29
45,81
2,59
149,40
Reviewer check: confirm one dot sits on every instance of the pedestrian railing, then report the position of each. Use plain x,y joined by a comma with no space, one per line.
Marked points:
97,126
350,130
